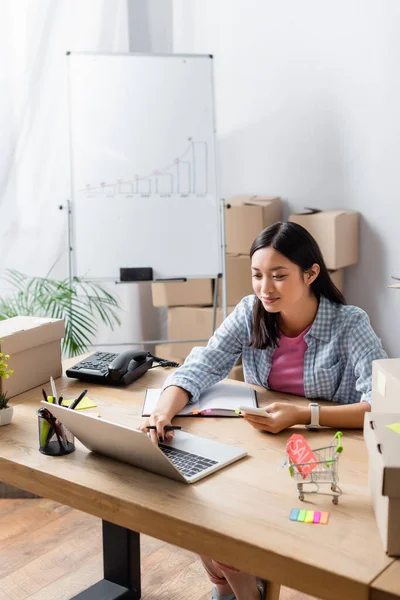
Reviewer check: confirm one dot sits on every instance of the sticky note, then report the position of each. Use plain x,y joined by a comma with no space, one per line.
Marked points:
237,412
317,517
302,515
394,427
309,516
195,411
324,518
84,403
208,410
294,514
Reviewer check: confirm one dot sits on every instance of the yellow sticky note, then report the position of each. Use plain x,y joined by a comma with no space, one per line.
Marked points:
309,516
84,403
394,427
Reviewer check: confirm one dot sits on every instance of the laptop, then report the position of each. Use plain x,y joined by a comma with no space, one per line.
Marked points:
186,458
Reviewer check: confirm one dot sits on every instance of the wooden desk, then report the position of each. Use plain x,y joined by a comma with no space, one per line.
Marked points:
387,585
239,515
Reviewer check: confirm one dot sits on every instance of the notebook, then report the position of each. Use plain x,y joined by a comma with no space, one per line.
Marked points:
219,400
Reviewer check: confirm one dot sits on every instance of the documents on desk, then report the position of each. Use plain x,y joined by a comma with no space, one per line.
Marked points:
186,458
219,400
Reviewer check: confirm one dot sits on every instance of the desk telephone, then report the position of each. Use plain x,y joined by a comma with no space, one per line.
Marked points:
116,369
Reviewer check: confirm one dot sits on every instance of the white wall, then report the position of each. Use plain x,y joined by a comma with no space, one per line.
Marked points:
34,146
308,97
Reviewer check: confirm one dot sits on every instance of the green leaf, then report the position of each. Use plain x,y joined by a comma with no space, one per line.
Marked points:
80,303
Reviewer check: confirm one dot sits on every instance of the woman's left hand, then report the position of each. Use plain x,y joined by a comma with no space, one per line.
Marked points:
279,416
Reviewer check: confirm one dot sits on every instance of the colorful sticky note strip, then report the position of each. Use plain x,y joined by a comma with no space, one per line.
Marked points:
324,518
309,516
394,427
302,515
84,403
317,517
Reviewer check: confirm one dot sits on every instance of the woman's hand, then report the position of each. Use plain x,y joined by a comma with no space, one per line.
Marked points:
158,420
279,416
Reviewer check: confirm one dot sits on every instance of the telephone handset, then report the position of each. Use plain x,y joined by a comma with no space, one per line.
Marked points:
135,363
116,369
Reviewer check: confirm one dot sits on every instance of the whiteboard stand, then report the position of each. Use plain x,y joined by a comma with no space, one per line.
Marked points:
150,206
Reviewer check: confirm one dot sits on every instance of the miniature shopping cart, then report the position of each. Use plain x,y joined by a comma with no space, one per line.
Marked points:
322,470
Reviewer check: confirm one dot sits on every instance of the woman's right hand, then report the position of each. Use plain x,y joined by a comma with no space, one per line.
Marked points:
158,420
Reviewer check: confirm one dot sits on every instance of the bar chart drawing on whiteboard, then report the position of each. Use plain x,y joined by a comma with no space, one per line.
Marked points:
186,175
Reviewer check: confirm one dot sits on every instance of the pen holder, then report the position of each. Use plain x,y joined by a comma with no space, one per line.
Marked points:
54,438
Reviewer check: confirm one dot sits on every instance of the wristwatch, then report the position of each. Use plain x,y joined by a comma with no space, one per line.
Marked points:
314,423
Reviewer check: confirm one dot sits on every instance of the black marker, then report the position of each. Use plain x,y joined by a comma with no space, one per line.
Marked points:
78,399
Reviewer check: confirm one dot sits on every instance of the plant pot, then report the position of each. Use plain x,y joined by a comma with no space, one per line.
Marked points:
6,415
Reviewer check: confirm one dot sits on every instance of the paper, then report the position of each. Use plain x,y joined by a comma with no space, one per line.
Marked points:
221,399
84,403
381,384
394,427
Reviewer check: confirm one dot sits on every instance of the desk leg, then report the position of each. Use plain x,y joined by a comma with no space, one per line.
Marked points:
273,590
121,559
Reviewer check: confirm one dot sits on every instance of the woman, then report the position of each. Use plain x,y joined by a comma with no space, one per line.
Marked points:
295,335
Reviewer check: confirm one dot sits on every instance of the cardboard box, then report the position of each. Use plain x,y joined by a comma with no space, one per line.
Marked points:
33,344
386,385
170,351
188,322
246,217
383,446
336,232
337,278
195,292
237,373
238,279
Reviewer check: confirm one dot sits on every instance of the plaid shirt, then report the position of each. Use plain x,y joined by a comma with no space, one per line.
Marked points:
341,346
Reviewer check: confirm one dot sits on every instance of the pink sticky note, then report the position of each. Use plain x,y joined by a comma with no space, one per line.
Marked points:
208,410
317,517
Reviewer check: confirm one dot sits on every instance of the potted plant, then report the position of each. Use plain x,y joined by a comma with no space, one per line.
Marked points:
79,301
6,412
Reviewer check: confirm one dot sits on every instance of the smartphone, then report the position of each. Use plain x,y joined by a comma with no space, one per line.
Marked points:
259,412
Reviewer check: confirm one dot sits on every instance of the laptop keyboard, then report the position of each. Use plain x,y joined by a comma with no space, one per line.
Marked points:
188,464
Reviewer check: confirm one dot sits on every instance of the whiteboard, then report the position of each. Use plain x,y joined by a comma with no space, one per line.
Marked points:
143,175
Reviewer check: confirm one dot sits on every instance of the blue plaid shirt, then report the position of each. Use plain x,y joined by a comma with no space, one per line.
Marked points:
341,346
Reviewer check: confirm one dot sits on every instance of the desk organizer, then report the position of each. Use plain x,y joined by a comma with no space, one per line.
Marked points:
54,438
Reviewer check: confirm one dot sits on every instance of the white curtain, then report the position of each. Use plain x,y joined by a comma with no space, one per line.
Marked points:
34,145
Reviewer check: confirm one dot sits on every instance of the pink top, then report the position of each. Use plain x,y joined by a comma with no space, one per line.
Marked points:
287,370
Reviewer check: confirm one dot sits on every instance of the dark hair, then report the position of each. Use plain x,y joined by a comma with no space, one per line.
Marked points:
294,242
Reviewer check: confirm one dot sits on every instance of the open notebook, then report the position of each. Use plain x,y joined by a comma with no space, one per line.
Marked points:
219,400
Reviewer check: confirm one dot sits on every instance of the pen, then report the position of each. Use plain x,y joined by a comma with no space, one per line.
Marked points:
53,390
44,395
166,428
78,399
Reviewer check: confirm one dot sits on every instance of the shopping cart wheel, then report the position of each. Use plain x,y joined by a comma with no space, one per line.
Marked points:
335,499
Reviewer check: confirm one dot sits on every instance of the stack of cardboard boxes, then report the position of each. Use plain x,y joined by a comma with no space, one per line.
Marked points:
336,232
382,436
190,310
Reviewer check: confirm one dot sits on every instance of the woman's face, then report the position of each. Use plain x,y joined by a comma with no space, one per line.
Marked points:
279,283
